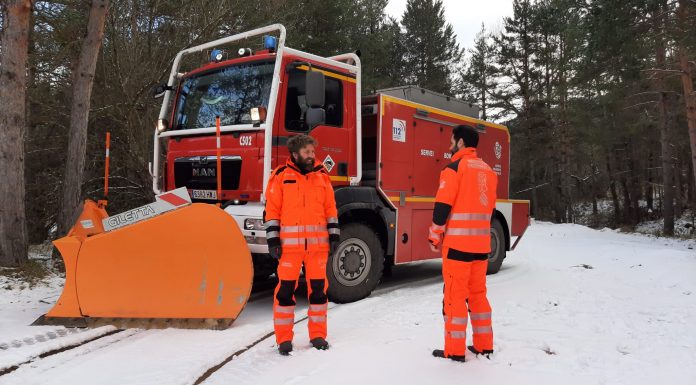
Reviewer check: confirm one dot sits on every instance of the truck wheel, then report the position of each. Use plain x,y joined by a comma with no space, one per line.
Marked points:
497,255
356,267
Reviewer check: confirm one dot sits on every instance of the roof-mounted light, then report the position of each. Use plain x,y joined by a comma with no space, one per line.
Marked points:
216,55
270,43
245,52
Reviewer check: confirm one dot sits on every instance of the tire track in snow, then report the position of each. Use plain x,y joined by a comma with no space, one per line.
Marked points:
54,351
388,287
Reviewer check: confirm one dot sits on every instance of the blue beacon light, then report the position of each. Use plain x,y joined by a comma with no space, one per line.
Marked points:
216,55
270,43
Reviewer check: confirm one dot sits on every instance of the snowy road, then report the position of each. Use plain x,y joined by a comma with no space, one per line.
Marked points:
572,305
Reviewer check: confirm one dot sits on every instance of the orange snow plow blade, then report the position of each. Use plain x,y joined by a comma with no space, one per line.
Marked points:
191,264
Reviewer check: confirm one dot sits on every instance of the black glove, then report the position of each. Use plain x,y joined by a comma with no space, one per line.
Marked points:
275,251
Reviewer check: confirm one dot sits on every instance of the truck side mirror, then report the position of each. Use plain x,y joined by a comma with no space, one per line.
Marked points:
315,91
159,90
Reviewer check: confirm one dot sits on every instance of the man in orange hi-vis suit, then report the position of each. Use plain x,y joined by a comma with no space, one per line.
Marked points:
301,227
464,204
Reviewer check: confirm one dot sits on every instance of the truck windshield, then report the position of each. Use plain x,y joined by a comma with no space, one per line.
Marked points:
228,92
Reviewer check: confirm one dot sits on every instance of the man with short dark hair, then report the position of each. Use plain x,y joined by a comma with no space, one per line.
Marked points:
301,227
464,204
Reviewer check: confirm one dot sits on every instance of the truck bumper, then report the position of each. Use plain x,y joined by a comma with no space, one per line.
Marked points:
256,239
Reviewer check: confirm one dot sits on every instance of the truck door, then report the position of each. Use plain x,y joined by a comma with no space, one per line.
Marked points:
336,144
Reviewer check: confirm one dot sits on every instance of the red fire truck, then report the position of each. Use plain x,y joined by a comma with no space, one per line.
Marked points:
383,151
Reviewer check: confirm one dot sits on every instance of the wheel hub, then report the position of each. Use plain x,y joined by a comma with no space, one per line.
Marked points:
352,262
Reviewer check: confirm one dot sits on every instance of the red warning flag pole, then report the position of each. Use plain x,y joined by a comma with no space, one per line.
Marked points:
219,161
103,202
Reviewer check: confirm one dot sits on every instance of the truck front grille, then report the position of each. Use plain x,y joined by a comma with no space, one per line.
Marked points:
200,172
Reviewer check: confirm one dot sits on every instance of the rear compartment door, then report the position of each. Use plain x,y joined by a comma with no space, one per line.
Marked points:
429,138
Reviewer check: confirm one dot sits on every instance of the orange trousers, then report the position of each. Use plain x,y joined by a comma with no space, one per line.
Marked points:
464,299
289,268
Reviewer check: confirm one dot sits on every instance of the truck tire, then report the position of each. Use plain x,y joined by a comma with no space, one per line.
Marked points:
356,267
497,255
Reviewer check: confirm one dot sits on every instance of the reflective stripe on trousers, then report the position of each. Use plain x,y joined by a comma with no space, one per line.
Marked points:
480,316
323,307
457,334
482,329
285,309
284,321
457,320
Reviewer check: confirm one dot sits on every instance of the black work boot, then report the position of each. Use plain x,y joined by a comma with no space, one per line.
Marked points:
319,343
441,354
485,353
285,348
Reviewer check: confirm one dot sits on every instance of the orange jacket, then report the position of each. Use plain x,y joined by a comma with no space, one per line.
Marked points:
300,209
464,204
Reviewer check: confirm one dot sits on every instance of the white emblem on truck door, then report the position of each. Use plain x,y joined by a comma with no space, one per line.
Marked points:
399,130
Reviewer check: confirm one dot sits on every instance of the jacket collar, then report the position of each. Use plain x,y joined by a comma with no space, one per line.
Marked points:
468,152
318,166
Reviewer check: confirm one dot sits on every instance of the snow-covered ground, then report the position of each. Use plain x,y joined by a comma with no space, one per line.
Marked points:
570,306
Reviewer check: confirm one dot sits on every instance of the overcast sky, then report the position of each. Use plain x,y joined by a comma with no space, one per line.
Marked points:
465,16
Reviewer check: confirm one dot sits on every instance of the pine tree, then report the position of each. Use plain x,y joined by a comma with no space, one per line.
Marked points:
478,79
430,46
517,95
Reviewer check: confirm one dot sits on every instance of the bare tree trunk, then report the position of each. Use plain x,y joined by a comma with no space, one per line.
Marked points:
649,193
624,167
687,79
612,189
79,115
678,188
595,194
690,186
666,147
13,70
533,182
667,174
635,191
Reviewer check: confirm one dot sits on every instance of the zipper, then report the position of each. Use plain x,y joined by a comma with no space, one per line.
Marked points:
304,202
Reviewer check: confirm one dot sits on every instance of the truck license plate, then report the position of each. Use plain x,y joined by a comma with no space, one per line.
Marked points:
204,194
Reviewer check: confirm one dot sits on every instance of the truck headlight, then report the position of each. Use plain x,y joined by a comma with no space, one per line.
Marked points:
162,125
253,224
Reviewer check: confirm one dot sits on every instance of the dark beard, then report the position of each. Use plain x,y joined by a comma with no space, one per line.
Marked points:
453,150
304,164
